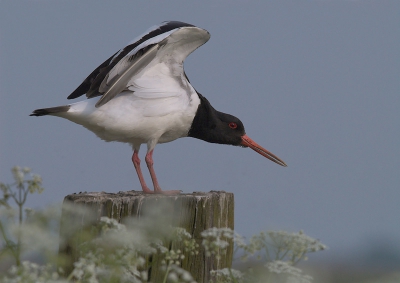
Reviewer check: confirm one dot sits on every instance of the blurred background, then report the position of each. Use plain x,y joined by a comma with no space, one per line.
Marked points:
315,82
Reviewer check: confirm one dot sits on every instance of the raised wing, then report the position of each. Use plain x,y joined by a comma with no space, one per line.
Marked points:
150,64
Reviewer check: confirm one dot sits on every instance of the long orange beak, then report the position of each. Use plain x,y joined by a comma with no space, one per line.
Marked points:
246,141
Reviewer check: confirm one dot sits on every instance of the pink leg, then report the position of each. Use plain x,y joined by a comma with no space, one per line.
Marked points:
157,189
136,163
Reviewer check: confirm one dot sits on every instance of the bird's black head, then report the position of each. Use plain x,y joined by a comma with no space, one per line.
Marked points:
213,126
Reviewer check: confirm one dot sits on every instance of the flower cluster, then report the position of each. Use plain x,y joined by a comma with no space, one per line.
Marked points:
189,244
227,275
20,177
216,240
29,272
279,249
176,274
280,245
172,257
294,245
18,192
115,255
293,274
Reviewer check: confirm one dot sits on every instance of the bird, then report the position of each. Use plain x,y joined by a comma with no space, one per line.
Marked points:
142,95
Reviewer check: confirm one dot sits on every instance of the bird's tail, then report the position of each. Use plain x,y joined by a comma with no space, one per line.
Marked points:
50,111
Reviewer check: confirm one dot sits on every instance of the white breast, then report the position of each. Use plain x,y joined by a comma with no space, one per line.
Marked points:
133,119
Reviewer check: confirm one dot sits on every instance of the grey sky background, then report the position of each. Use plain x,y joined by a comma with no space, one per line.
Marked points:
315,82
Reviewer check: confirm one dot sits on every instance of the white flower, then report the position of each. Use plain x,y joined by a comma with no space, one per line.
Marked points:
178,274
297,243
29,272
18,175
227,275
295,275
215,240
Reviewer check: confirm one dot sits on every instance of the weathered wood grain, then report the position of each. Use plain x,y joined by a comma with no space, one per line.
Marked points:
195,212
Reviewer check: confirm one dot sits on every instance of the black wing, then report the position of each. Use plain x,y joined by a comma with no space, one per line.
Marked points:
91,85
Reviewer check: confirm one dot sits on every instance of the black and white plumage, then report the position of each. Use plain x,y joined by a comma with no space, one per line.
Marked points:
141,95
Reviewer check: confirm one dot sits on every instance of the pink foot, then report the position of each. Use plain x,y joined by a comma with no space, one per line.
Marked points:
157,188
171,192
161,192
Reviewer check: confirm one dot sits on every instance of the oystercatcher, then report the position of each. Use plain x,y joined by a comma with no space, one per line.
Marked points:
141,95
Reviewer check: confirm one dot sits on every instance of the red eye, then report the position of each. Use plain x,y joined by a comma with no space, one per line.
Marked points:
232,125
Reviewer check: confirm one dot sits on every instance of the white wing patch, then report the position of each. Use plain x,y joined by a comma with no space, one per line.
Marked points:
156,79
164,76
125,62
159,92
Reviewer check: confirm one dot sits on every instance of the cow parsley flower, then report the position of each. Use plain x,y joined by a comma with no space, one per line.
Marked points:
216,240
294,274
227,275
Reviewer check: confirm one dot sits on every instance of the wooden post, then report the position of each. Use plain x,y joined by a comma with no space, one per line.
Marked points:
195,212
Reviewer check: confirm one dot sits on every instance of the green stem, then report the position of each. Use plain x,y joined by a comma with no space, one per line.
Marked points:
20,204
9,244
300,258
284,254
231,275
267,254
166,274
